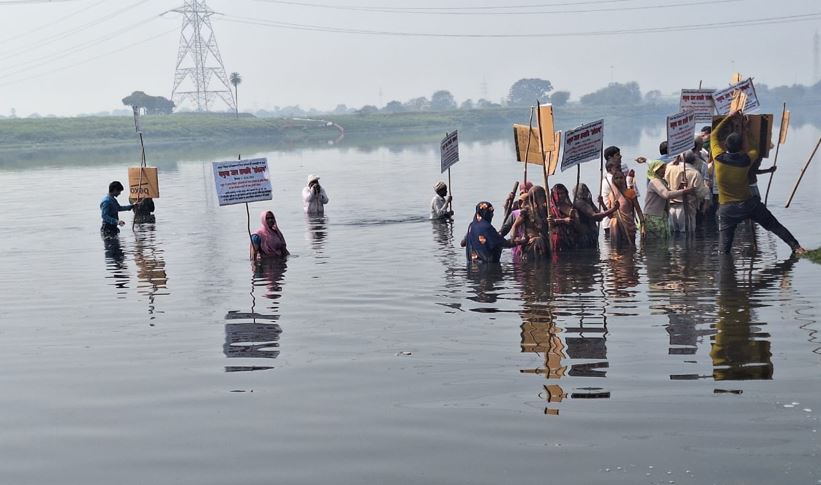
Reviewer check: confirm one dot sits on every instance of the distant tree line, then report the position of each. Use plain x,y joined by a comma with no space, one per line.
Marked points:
151,105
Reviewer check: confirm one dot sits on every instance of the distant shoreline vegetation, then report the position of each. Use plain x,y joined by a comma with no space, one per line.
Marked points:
416,117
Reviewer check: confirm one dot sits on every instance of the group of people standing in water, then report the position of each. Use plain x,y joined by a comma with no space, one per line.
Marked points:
709,188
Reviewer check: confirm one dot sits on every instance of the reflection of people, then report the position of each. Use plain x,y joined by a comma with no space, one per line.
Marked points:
738,351
143,209
316,231
440,205
268,241
736,201
110,209
482,242
314,197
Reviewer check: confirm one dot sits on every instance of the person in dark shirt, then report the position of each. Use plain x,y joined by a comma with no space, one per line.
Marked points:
143,209
110,209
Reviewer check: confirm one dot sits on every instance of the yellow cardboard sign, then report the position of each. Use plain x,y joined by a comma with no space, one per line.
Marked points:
785,125
554,155
739,101
736,78
546,127
531,153
145,185
756,132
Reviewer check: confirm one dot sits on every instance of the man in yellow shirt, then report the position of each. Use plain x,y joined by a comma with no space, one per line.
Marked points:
736,201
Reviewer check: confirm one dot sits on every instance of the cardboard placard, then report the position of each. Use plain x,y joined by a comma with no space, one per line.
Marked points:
554,155
583,144
785,126
534,153
449,150
147,186
757,135
739,101
241,181
546,127
700,102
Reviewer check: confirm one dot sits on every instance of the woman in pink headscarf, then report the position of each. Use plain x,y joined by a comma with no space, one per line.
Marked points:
268,241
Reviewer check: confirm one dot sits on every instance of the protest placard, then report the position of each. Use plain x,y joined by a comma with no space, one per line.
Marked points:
785,125
546,127
534,153
241,181
681,130
724,98
449,149
554,155
145,185
700,102
582,144
756,132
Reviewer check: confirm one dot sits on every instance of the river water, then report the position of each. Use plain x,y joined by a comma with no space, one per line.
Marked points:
374,355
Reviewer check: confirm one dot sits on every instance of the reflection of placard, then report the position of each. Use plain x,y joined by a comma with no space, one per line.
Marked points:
681,130
582,144
724,98
700,102
145,186
241,181
450,150
554,155
757,135
785,125
525,150
546,127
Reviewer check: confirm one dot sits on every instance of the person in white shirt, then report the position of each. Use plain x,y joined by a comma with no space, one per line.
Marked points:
440,205
314,197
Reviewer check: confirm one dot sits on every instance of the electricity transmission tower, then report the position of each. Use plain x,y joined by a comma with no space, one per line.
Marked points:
200,74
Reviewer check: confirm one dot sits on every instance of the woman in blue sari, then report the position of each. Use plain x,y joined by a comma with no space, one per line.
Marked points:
482,242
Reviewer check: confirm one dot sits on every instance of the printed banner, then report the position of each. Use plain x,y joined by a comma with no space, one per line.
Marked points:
700,102
145,186
681,131
724,97
241,181
450,150
546,127
532,152
583,144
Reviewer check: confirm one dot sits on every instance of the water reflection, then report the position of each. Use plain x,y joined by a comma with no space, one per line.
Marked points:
256,335
740,349
316,232
485,282
563,298
115,264
151,273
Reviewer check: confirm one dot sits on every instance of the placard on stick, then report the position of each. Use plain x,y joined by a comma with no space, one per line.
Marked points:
534,153
546,127
681,130
143,186
700,102
554,155
724,98
241,181
449,149
583,144
785,126
758,134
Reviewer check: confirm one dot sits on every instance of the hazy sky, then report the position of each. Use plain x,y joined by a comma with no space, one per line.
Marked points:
85,55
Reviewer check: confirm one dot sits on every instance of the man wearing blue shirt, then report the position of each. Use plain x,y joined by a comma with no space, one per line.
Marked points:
110,209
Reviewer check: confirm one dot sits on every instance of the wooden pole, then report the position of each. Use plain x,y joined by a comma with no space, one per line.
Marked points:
775,161
546,180
684,198
450,191
247,212
802,173
578,180
527,148
509,207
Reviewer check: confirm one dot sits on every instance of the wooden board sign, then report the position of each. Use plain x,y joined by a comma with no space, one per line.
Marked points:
757,135
785,126
532,153
546,127
143,186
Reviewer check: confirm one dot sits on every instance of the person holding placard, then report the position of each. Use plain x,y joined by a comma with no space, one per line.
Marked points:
268,241
143,209
656,205
588,216
736,201
533,217
314,197
440,204
681,174
110,209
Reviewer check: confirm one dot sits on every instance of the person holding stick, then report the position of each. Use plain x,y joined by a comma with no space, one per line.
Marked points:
440,205
314,197
515,204
736,201
623,225
588,216
110,209
482,243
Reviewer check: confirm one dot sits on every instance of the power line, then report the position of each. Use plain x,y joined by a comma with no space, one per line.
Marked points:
473,7
483,11
56,22
90,59
635,31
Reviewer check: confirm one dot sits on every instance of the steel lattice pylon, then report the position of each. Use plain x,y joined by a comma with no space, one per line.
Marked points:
199,63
